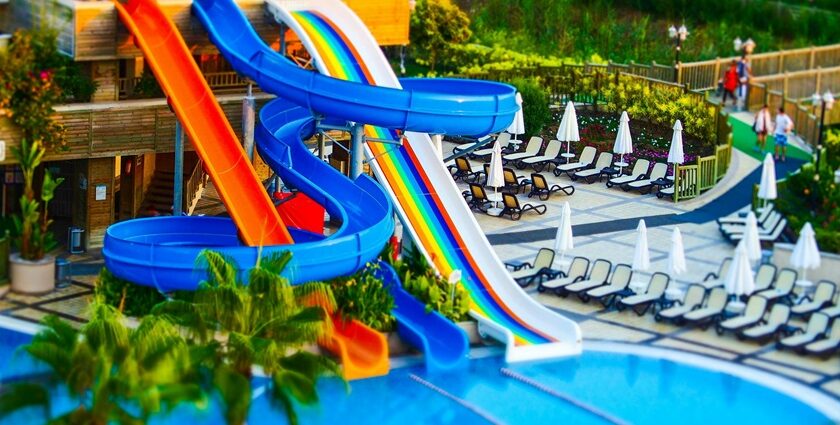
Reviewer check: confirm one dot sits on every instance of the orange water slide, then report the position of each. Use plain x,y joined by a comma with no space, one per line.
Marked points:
195,105
363,351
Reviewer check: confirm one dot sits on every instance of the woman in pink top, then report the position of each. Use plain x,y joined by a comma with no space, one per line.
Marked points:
763,125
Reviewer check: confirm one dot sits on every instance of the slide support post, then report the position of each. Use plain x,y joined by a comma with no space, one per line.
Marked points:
437,139
357,141
249,106
178,184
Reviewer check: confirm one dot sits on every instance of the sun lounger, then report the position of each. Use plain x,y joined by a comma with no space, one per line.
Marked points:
823,295
770,235
828,345
598,274
741,219
485,140
654,293
620,278
540,187
713,309
715,279
587,157
833,310
504,140
515,210
539,162
646,185
816,327
476,197
607,294
693,299
782,289
764,277
466,171
772,327
513,182
525,273
576,272
753,313
640,170
532,149
590,174
765,226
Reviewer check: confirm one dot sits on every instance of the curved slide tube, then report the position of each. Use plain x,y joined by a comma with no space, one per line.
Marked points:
161,251
202,117
428,201
444,344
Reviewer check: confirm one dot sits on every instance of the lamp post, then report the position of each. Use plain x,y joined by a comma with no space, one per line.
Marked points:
678,35
826,101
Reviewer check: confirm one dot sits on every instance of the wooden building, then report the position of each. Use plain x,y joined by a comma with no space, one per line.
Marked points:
120,144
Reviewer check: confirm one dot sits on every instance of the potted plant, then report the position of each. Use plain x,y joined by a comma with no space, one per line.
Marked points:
32,270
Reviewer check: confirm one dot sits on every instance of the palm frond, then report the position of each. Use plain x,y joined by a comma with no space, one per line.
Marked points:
316,294
21,395
221,269
235,392
275,262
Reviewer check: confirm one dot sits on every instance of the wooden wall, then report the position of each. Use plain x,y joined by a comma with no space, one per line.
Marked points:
100,171
387,20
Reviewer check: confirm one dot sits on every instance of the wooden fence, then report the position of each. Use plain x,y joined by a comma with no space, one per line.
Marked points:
692,179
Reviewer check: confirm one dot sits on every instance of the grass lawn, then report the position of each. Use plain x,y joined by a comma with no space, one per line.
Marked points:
743,139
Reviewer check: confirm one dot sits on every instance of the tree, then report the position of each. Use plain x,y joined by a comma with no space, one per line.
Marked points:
434,25
534,105
113,373
267,323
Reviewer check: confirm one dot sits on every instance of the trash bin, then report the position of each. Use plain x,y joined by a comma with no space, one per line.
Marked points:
63,277
74,240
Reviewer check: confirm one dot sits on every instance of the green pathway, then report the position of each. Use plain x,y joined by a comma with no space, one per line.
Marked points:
743,138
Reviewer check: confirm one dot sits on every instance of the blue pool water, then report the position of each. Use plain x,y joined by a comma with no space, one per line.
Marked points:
634,389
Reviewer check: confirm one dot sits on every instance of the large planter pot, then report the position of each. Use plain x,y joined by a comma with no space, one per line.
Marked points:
32,277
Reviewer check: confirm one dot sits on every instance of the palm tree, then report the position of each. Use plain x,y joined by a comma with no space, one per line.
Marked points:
112,372
266,322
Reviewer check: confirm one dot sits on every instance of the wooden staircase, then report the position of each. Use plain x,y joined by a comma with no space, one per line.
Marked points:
159,197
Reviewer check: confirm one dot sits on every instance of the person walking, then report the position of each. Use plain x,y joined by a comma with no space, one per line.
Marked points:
730,83
762,126
784,126
744,75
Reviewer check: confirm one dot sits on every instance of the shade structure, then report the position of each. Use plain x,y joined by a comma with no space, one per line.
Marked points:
676,257
518,125
568,131
676,155
623,140
739,280
767,186
806,253
753,243
641,256
563,239
496,178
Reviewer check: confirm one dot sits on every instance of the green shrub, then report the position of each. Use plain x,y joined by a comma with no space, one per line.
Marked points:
807,196
421,281
128,298
363,297
534,105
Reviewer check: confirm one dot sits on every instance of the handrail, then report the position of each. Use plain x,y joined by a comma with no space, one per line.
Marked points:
197,178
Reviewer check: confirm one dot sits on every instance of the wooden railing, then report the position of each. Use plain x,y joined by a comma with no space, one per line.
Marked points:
692,179
219,82
192,185
704,75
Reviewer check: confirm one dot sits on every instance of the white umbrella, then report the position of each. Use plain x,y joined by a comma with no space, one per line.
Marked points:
496,179
623,140
676,154
751,238
568,131
806,253
518,124
641,257
739,280
563,240
767,187
676,258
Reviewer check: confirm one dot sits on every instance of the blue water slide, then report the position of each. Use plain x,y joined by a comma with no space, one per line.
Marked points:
430,331
437,106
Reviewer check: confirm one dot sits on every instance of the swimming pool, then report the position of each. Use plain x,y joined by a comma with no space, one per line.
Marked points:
623,388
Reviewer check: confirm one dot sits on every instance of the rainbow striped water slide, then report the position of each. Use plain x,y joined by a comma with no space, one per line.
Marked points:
427,200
